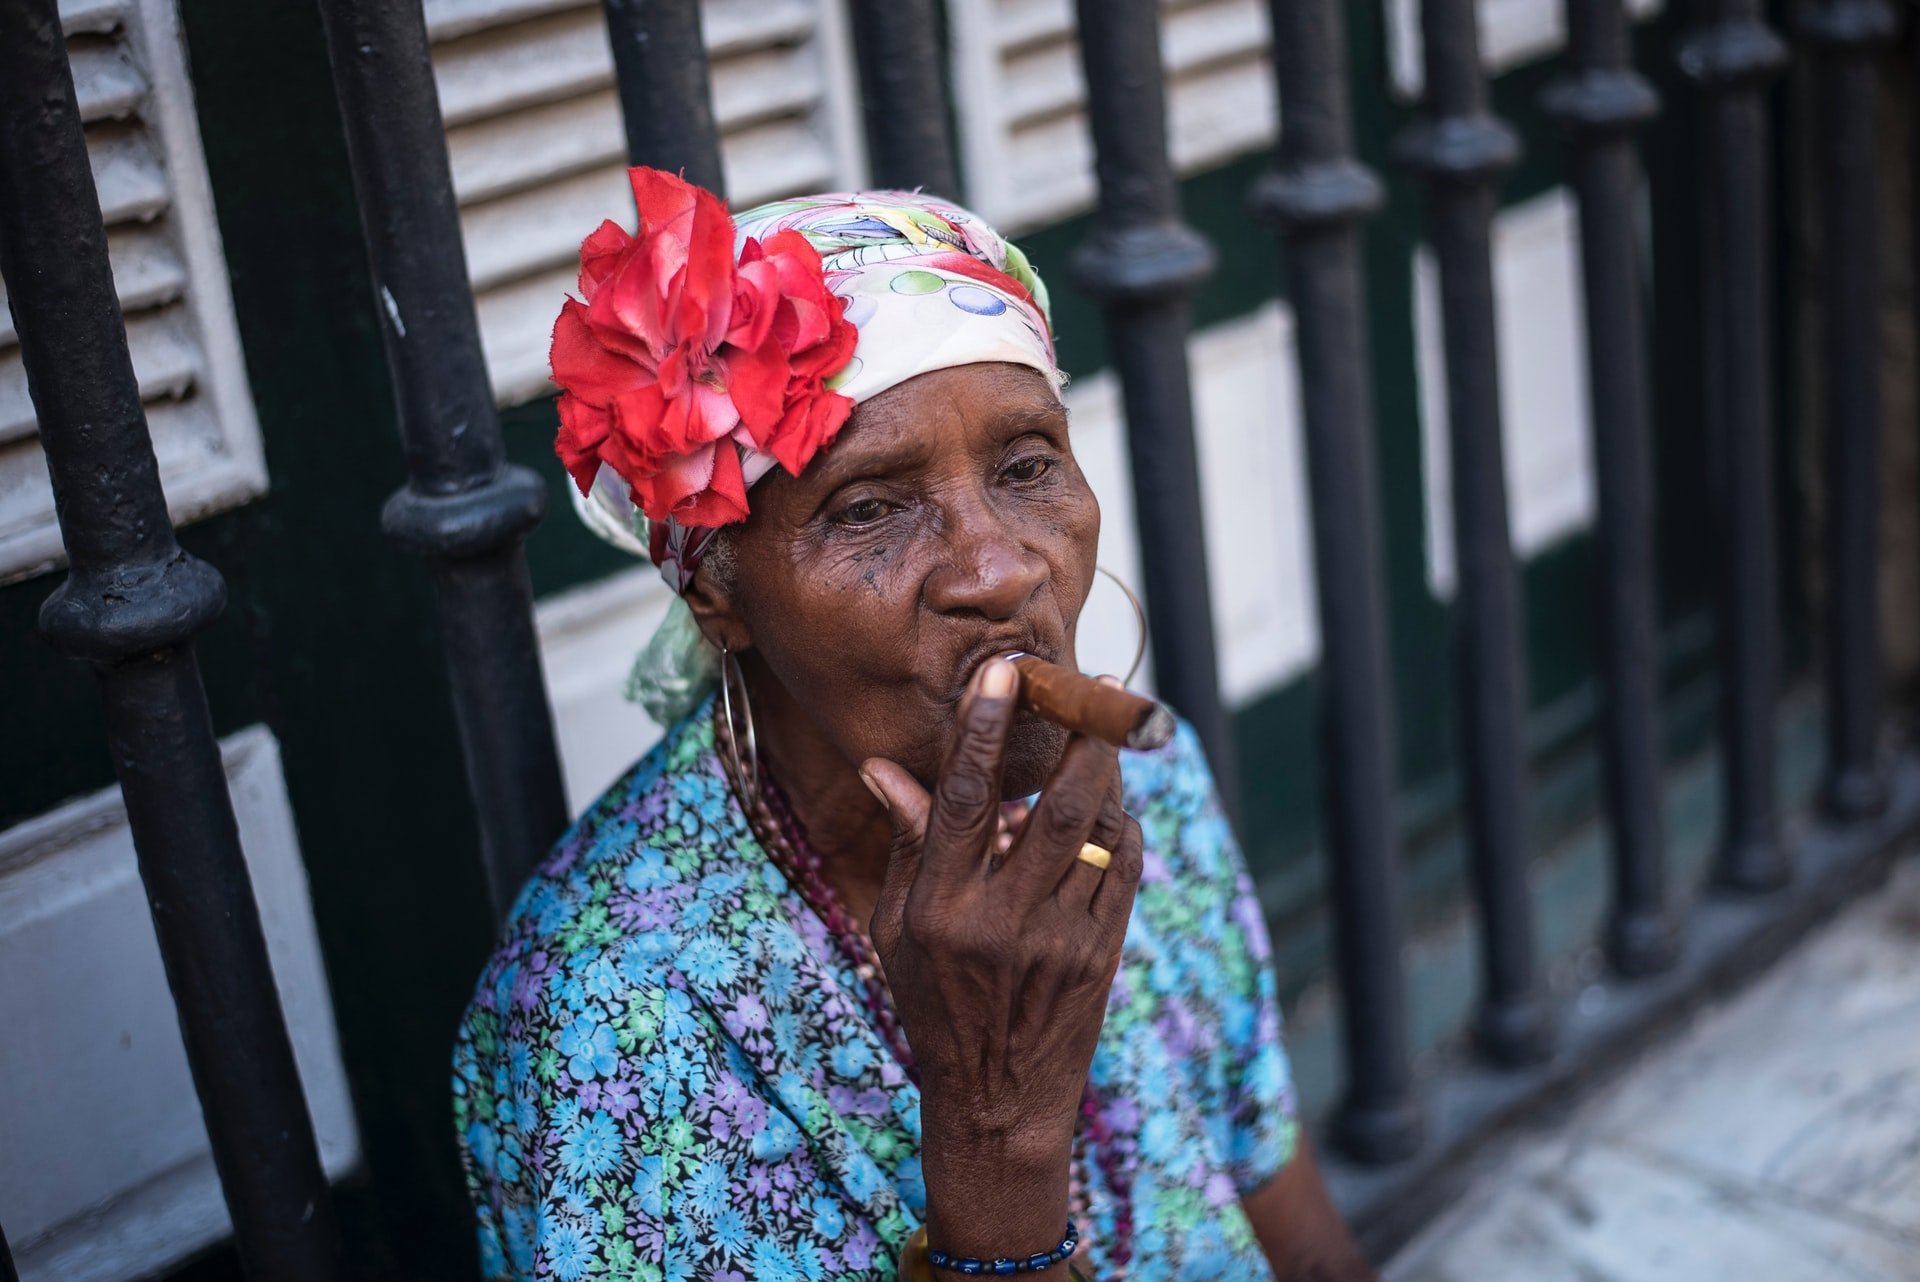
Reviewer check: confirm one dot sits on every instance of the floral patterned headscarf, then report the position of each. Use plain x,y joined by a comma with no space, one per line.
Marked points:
705,351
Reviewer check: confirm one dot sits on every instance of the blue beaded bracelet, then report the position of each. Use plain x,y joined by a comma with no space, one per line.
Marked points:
972,1267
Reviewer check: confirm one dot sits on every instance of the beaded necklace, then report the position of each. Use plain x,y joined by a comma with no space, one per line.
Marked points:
784,838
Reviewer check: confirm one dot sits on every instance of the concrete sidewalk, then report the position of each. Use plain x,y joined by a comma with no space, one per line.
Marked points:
1776,1139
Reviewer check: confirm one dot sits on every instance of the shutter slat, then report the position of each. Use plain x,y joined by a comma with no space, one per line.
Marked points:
1042,82
448,19
784,158
516,329
497,71
147,271
128,173
524,232
1208,35
166,362
494,157
1020,24
107,84
734,26
79,17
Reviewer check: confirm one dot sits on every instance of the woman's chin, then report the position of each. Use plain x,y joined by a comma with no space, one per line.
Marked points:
1034,750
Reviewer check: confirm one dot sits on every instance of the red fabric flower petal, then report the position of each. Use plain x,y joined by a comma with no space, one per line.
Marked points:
600,254
583,430
679,349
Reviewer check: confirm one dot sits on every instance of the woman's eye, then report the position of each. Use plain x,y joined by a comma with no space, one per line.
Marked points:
863,512
1031,468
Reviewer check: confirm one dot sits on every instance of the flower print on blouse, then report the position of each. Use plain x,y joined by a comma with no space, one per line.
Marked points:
668,1071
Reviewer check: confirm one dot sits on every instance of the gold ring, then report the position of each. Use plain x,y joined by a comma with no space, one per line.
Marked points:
1098,856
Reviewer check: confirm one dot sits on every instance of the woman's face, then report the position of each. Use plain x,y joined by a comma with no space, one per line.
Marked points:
946,524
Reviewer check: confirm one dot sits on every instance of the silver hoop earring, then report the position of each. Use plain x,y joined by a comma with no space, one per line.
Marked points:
730,673
1139,619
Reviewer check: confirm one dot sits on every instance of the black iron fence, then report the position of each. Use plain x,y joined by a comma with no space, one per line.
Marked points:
133,600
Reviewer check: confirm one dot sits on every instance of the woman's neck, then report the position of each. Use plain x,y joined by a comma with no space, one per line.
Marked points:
843,821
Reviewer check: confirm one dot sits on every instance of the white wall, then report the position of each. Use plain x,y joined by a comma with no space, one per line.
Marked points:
105,1172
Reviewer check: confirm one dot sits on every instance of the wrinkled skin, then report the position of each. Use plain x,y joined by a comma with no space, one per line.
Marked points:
948,522
867,601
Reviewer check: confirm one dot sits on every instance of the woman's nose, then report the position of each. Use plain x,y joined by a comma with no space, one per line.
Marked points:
987,573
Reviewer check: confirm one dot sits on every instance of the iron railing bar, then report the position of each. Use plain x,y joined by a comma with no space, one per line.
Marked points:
903,99
1603,102
1317,196
1141,263
1845,36
1460,149
465,509
1732,56
131,605
1732,940
8,1273
666,97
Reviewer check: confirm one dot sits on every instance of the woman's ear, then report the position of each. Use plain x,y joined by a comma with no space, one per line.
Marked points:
711,599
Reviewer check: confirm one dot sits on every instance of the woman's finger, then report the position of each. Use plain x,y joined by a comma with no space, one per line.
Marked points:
966,799
1082,879
907,805
1113,897
1062,821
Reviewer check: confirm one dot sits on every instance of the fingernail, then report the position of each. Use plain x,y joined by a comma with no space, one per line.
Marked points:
873,788
1108,679
998,681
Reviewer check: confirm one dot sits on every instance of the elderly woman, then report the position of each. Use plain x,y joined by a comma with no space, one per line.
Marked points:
812,992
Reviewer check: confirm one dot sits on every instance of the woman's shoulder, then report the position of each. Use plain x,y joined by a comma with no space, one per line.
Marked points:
1170,791
658,863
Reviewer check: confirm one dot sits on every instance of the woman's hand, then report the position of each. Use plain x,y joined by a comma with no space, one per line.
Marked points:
1000,969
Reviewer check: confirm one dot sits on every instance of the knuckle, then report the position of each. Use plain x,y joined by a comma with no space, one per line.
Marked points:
967,787
1070,815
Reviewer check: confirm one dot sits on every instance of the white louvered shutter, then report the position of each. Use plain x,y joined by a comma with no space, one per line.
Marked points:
539,155
130,77
1022,98
1512,33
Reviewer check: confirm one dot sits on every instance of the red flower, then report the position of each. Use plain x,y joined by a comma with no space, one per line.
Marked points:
676,355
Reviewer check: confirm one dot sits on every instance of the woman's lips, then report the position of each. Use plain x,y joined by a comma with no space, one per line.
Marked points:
984,654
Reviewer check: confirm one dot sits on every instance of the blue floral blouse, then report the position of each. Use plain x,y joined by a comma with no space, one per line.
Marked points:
668,1071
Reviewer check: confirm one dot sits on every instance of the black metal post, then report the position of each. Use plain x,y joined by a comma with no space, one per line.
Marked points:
131,605
1141,263
464,508
1844,36
903,97
1460,149
1317,196
7,1272
1732,55
1603,102
660,60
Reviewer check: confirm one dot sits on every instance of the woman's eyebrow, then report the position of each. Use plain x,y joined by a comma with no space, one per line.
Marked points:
1019,421
836,470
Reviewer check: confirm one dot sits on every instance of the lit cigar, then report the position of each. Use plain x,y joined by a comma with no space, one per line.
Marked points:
1079,703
